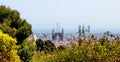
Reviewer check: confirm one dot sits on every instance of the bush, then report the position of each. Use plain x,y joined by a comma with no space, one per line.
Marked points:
61,47
95,51
8,49
46,46
49,46
26,50
39,44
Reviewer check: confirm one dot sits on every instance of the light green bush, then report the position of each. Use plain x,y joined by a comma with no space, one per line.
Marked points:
94,51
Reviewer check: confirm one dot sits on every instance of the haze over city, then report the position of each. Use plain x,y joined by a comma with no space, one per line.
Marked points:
101,15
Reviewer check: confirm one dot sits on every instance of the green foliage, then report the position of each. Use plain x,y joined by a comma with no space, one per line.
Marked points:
39,44
46,46
26,50
8,49
12,24
49,46
80,41
94,51
61,48
23,32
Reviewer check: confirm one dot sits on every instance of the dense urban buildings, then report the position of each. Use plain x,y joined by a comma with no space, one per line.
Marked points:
58,37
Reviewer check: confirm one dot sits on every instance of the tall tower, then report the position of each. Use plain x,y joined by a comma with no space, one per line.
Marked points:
62,33
83,29
57,27
89,29
53,31
89,32
79,30
83,32
53,34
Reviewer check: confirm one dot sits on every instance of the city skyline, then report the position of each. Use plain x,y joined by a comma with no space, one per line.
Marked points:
101,15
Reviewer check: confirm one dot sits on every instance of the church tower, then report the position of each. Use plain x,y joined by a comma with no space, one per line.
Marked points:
57,33
62,34
89,29
53,34
79,30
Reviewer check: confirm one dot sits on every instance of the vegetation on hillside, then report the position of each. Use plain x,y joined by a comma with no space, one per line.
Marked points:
12,24
16,27
87,51
8,48
26,51
46,46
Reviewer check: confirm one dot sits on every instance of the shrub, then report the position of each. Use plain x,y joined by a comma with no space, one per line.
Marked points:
46,46
95,51
26,50
8,49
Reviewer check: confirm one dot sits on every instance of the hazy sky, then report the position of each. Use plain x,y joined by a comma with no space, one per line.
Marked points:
44,14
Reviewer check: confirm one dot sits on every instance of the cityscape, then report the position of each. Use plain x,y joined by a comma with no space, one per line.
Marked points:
59,30
59,38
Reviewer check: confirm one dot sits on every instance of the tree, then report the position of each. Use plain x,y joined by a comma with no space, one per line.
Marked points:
8,49
26,51
61,47
45,45
49,46
12,24
22,33
39,44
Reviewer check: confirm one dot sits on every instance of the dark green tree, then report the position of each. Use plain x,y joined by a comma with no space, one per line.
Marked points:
61,48
23,32
12,24
46,46
39,44
49,46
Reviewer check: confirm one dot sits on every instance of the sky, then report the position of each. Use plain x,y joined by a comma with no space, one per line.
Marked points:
101,15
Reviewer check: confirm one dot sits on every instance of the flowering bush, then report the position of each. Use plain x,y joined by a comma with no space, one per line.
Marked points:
8,49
